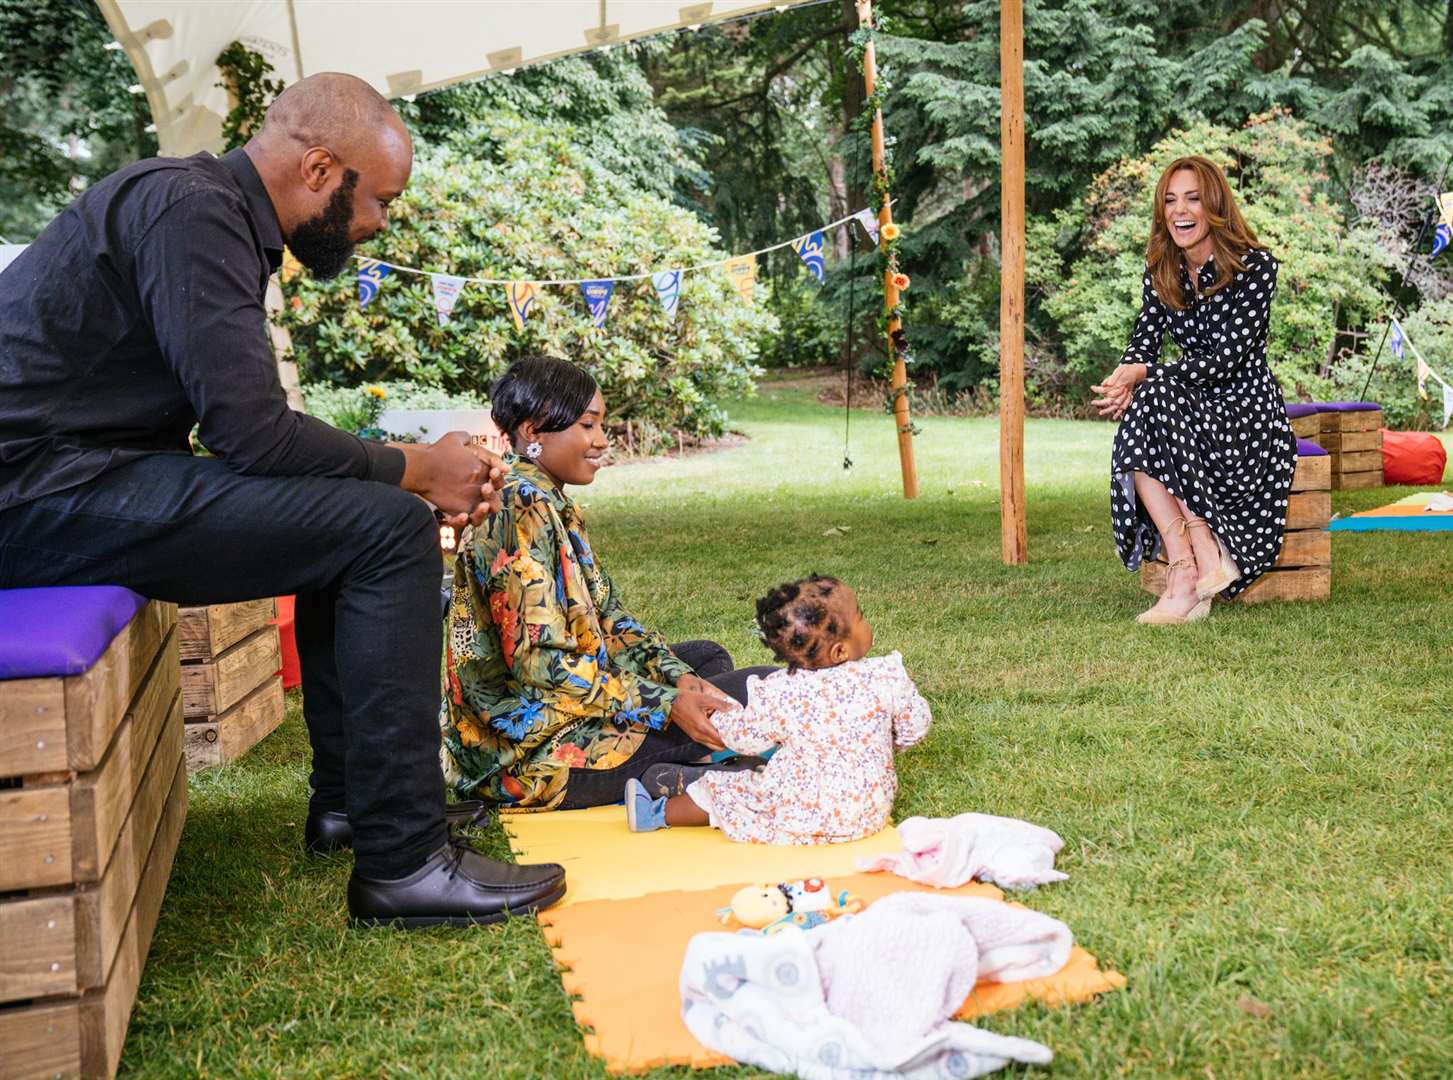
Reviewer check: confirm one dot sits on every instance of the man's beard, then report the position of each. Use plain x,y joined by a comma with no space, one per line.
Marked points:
323,243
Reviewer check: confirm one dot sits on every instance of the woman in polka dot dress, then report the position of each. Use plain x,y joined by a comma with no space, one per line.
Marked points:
1204,456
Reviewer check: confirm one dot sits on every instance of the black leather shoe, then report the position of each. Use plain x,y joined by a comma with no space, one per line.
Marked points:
456,886
332,831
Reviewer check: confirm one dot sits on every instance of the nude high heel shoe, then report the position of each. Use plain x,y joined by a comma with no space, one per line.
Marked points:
1161,618
1225,573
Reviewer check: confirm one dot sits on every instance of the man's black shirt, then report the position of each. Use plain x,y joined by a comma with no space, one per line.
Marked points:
138,313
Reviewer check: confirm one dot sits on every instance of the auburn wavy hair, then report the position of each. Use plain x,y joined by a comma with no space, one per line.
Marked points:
1231,237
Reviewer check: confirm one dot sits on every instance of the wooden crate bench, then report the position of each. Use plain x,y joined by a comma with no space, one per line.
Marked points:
231,691
92,799
1351,432
1303,570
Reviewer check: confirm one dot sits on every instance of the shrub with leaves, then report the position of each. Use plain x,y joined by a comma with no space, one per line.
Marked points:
1328,279
540,209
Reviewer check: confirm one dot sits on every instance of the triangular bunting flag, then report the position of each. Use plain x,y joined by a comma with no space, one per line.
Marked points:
446,295
1445,207
810,248
668,291
1447,403
742,271
291,268
371,273
1442,237
1423,372
1397,340
520,295
597,298
868,221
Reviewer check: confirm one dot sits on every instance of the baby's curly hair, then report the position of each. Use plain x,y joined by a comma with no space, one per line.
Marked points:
796,623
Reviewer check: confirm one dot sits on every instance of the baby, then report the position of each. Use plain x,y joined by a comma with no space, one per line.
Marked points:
834,716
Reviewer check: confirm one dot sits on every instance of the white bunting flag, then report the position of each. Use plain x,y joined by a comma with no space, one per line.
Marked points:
868,221
446,295
1447,403
668,291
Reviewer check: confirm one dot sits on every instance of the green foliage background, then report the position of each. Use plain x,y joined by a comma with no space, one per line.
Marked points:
541,208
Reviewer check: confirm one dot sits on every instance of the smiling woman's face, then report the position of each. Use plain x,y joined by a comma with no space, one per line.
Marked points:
573,456
1185,215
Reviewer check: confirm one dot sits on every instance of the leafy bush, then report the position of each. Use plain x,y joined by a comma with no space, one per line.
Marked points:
541,209
357,408
1328,279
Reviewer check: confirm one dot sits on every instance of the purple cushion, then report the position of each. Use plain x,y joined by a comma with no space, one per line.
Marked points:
1296,410
1347,406
60,631
1307,448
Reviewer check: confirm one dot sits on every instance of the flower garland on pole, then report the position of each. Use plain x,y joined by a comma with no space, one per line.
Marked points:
895,282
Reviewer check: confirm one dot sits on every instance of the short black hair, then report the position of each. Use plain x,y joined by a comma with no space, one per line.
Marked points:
795,621
552,393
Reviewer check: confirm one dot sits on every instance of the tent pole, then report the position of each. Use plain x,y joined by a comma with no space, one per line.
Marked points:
1014,543
899,383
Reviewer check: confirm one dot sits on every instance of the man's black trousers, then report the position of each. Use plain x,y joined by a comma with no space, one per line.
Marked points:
363,560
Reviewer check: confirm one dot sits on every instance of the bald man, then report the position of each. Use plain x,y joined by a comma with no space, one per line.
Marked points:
138,313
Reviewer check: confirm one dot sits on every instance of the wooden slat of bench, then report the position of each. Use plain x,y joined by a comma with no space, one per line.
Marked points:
101,800
1348,481
96,702
51,725
1309,583
32,726
1309,510
1339,442
37,947
1359,461
40,1042
1305,547
1307,427
225,738
213,687
1313,474
101,911
63,832
84,1036
63,944
1363,420
207,632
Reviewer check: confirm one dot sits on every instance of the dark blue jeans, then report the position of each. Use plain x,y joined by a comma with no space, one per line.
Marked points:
363,560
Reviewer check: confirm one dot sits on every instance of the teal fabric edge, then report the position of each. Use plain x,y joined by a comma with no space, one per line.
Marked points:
1394,524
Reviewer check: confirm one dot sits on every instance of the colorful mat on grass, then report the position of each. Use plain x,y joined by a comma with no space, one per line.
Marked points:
620,933
1409,514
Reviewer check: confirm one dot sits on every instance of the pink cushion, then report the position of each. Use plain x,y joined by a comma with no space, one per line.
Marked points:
60,631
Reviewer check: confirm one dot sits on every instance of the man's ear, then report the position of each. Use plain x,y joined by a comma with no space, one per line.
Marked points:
837,652
316,166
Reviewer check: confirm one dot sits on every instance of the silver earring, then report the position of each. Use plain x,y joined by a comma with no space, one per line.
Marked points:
533,450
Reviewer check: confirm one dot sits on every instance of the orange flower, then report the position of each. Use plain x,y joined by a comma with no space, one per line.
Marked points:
889,232
900,282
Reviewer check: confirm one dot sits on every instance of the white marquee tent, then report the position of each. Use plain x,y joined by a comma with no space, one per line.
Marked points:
400,46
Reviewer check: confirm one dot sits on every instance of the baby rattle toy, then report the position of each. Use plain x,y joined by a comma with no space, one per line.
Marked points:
788,905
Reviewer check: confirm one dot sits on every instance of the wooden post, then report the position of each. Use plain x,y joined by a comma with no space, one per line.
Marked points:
1014,543
890,291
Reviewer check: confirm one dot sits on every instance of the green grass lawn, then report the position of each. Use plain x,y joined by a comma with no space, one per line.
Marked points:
1256,808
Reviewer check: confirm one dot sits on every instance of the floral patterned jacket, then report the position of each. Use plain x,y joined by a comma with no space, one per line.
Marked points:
545,670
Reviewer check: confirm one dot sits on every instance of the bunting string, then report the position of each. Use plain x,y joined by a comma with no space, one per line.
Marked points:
1401,344
521,293
812,240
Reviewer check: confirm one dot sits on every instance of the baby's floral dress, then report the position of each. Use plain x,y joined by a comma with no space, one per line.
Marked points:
831,778
544,669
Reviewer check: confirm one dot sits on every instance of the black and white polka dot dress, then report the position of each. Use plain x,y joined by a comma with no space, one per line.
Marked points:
1212,427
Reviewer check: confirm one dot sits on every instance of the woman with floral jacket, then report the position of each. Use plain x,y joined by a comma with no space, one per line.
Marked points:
555,696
